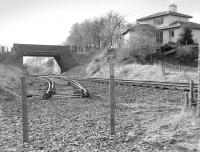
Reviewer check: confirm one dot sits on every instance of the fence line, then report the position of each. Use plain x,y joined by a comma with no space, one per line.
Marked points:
177,67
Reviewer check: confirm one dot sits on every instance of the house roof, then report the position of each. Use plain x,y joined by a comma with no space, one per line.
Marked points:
143,27
190,24
178,24
165,13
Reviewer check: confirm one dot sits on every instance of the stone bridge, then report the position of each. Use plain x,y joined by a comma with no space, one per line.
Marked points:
62,54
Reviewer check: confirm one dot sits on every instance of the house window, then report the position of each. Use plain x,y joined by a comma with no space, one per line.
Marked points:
171,33
159,37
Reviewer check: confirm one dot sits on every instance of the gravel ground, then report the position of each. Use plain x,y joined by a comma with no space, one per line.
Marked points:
146,120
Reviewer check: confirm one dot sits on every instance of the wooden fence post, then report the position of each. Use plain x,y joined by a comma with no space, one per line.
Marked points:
198,103
24,110
191,91
187,105
112,100
191,97
193,104
163,70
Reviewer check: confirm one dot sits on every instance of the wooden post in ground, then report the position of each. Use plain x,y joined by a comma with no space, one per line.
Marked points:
24,110
112,100
163,70
198,102
193,105
191,95
191,91
187,105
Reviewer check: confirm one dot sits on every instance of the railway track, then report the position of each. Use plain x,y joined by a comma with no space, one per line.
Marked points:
153,84
62,87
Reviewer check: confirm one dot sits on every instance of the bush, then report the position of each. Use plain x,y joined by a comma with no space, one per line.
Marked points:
140,49
168,46
124,55
187,55
9,58
4,56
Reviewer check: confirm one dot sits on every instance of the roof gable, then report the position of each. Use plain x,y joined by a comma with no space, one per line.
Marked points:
165,13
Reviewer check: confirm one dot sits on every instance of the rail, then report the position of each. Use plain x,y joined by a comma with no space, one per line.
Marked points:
155,84
84,92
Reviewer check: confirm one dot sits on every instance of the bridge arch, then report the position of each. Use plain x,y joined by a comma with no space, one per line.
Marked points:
62,54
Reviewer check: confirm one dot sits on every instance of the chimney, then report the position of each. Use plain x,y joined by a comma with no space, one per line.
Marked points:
173,7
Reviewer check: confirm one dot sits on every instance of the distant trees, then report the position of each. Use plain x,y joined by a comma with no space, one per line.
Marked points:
97,33
186,36
3,49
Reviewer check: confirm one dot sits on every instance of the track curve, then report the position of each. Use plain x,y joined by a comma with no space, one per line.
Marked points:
52,90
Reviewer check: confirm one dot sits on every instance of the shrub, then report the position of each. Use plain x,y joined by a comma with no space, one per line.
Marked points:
168,46
123,55
140,49
186,55
9,58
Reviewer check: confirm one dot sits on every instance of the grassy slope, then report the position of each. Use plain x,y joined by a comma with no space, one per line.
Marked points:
99,68
145,72
9,75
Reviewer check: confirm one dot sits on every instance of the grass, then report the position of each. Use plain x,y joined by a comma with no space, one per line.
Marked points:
99,67
10,75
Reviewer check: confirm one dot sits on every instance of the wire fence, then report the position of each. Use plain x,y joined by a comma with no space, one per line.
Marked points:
179,72
177,68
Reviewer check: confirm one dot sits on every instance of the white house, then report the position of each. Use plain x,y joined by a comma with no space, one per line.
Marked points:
168,26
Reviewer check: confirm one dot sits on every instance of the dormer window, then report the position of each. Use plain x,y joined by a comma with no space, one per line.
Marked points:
158,21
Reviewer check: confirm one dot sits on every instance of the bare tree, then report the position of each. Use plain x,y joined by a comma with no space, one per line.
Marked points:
114,24
75,38
100,32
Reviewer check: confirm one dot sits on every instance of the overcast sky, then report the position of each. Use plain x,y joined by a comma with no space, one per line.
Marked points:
49,21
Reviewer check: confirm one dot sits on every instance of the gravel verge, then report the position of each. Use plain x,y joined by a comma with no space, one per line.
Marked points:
83,124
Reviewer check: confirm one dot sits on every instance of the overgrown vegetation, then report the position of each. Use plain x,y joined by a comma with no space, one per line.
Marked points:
140,48
9,75
187,55
8,58
168,46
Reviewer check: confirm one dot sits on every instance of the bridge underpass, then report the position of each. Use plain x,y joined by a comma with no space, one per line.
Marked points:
61,54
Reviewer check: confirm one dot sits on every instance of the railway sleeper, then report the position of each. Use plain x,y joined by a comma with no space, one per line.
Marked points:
84,94
47,95
51,92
